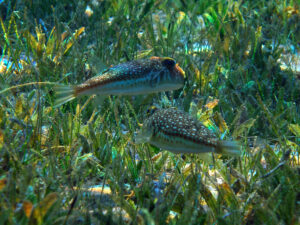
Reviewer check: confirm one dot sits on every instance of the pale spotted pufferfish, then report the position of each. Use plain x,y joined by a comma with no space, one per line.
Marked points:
130,78
178,132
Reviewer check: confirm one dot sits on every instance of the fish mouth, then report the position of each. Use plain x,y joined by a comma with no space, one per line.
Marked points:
179,70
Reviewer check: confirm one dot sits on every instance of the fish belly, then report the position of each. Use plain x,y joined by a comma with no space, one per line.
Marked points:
130,87
180,145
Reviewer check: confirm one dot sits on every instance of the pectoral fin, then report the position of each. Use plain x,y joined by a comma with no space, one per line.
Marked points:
142,137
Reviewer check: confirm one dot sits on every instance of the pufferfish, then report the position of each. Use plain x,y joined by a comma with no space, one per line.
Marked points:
131,78
178,132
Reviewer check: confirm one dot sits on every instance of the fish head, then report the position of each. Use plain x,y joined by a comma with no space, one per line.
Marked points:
169,72
175,70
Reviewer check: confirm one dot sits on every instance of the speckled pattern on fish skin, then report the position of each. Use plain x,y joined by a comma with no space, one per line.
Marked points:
150,70
136,77
178,132
179,124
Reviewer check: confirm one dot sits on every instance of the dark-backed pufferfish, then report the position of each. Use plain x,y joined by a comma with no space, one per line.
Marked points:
136,77
178,132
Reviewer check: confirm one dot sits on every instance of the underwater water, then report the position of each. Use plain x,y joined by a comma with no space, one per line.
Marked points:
149,112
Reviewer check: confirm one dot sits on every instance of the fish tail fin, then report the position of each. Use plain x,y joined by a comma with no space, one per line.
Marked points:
232,148
64,93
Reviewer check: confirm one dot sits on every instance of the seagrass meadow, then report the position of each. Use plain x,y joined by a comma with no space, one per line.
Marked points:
79,163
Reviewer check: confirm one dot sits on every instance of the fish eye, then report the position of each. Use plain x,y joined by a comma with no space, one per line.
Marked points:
151,110
168,62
